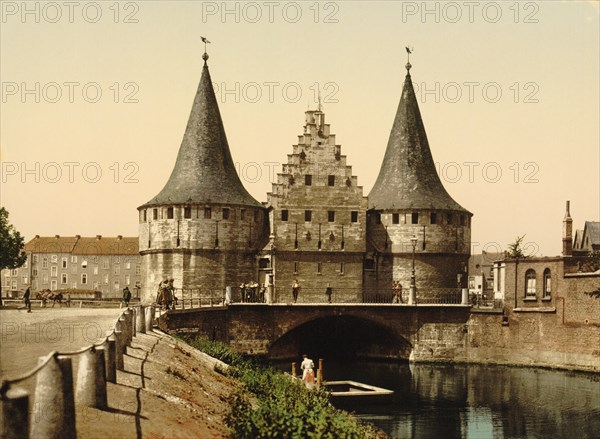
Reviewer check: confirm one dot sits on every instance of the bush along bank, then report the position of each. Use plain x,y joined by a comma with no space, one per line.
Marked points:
271,405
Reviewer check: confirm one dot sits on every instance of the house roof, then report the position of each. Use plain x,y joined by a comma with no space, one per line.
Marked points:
83,245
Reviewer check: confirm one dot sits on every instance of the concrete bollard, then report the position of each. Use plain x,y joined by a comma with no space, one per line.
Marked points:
120,342
140,319
110,346
130,313
127,327
15,413
54,403
149,315
91,379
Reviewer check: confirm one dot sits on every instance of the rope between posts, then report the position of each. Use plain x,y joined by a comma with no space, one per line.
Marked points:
6,383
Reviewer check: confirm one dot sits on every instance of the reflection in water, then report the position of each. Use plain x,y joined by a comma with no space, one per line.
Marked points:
460,401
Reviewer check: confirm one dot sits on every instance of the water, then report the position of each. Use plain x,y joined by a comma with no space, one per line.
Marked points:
476,402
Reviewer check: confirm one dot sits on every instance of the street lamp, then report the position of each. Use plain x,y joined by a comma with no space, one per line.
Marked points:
412,295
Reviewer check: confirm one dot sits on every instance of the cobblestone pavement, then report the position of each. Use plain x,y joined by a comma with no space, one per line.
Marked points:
24,337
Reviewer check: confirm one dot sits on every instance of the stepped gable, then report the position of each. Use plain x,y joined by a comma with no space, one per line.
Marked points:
204,172
408,178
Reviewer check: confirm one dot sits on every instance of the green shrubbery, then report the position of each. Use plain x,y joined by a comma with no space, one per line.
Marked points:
271,405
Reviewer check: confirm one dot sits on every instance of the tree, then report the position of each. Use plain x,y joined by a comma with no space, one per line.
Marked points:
11,245
515,250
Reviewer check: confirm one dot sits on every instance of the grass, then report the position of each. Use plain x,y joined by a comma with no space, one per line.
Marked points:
271,405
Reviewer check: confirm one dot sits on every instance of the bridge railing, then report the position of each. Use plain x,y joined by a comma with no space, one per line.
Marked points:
188,298
55,395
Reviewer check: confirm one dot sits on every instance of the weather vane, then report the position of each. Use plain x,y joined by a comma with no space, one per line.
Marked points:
205,56
409,50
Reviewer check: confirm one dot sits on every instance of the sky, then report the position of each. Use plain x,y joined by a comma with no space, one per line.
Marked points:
95,98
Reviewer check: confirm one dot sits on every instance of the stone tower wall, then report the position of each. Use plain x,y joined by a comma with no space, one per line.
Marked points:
198,260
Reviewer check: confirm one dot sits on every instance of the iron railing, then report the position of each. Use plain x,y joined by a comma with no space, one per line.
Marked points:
187,298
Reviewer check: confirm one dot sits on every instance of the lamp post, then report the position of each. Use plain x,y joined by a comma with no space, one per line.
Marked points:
270,285
412,295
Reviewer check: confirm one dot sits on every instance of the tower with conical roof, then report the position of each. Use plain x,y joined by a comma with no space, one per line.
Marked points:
409,205
203,229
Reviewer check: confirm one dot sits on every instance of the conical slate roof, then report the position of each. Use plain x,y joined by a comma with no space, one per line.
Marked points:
408,178
204,171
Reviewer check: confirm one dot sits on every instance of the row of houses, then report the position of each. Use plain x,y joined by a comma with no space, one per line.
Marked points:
104,265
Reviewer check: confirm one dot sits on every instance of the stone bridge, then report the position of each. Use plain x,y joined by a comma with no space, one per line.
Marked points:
377,331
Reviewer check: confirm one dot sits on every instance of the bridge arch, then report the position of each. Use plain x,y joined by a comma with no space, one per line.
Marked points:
340,336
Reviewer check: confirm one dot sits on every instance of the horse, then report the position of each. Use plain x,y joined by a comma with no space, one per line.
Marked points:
46,295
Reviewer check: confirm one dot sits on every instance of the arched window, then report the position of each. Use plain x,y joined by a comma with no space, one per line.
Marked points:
547,293
530,283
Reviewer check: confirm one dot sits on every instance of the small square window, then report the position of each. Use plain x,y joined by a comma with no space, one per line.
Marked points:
331,180
433,218
145,215
242,214
415,218
284,215
187,212
169,213
225,213
395,218
354,216
319,268
448,218
155,214
308,180
331,216
207,213
308,215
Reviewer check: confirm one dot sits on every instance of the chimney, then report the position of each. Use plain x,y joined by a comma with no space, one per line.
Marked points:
98,237
567,232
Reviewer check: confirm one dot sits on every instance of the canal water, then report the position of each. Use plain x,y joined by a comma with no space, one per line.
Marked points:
476,401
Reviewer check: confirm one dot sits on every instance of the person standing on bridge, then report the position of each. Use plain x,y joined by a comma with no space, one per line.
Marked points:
295,290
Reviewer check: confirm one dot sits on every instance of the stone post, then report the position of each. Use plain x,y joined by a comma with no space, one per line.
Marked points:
91,379
110,358
464,296
149,316
120,343
54,403
15,413
140,319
